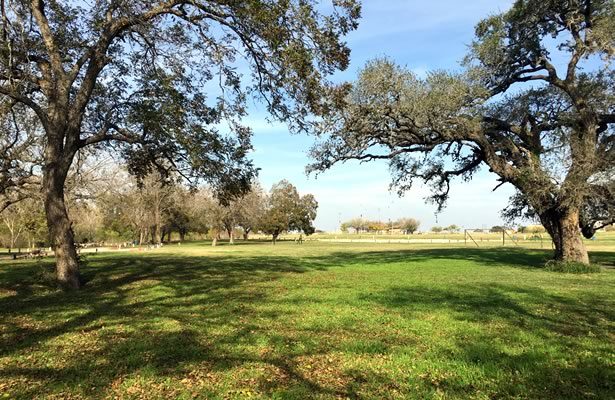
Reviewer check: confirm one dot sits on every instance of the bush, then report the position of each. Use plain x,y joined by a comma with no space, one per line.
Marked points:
572,267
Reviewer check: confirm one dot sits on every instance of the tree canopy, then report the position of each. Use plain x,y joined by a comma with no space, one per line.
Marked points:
157,82
408,225
545,127
287,210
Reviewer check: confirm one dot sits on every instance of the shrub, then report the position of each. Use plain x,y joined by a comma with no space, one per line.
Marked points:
572,267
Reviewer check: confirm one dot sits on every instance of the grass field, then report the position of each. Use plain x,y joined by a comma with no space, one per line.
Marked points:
602,240
319,320
481,238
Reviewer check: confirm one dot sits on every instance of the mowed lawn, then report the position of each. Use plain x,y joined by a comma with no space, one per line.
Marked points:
310,321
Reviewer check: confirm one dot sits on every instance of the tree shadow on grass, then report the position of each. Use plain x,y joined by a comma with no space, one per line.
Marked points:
523,258
215,290
604,258
536,322
489,257
129,297
567,316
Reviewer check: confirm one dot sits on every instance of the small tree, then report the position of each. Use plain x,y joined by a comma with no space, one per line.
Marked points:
251,208
13,218
452,228
376,226
245,212
408,225
344,227
179,213
437,229
87,221
24,222
286,210
215,216
356,224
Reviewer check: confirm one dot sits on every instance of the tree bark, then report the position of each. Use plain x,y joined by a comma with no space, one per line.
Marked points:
231,238
60,231
565,233
157,234
157,228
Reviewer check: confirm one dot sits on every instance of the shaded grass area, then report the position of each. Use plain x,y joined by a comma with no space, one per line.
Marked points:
310,321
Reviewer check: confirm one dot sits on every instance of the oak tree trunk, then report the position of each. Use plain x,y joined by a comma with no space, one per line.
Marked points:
565,233
60,231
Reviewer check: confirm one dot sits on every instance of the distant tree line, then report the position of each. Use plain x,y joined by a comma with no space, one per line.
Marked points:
156,209
359,225
406,226
451,229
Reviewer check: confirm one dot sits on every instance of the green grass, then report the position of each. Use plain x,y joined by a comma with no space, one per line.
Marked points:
319,320
602,240
572,267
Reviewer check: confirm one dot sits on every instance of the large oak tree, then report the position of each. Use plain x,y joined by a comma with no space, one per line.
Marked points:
133,77
535,103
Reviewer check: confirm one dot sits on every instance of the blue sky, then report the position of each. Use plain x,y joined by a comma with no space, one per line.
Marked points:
423,36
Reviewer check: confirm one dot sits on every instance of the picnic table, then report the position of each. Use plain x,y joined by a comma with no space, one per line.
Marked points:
34,253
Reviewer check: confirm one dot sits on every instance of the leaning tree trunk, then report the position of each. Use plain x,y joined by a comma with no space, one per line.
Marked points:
60,231
565,232
231,237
